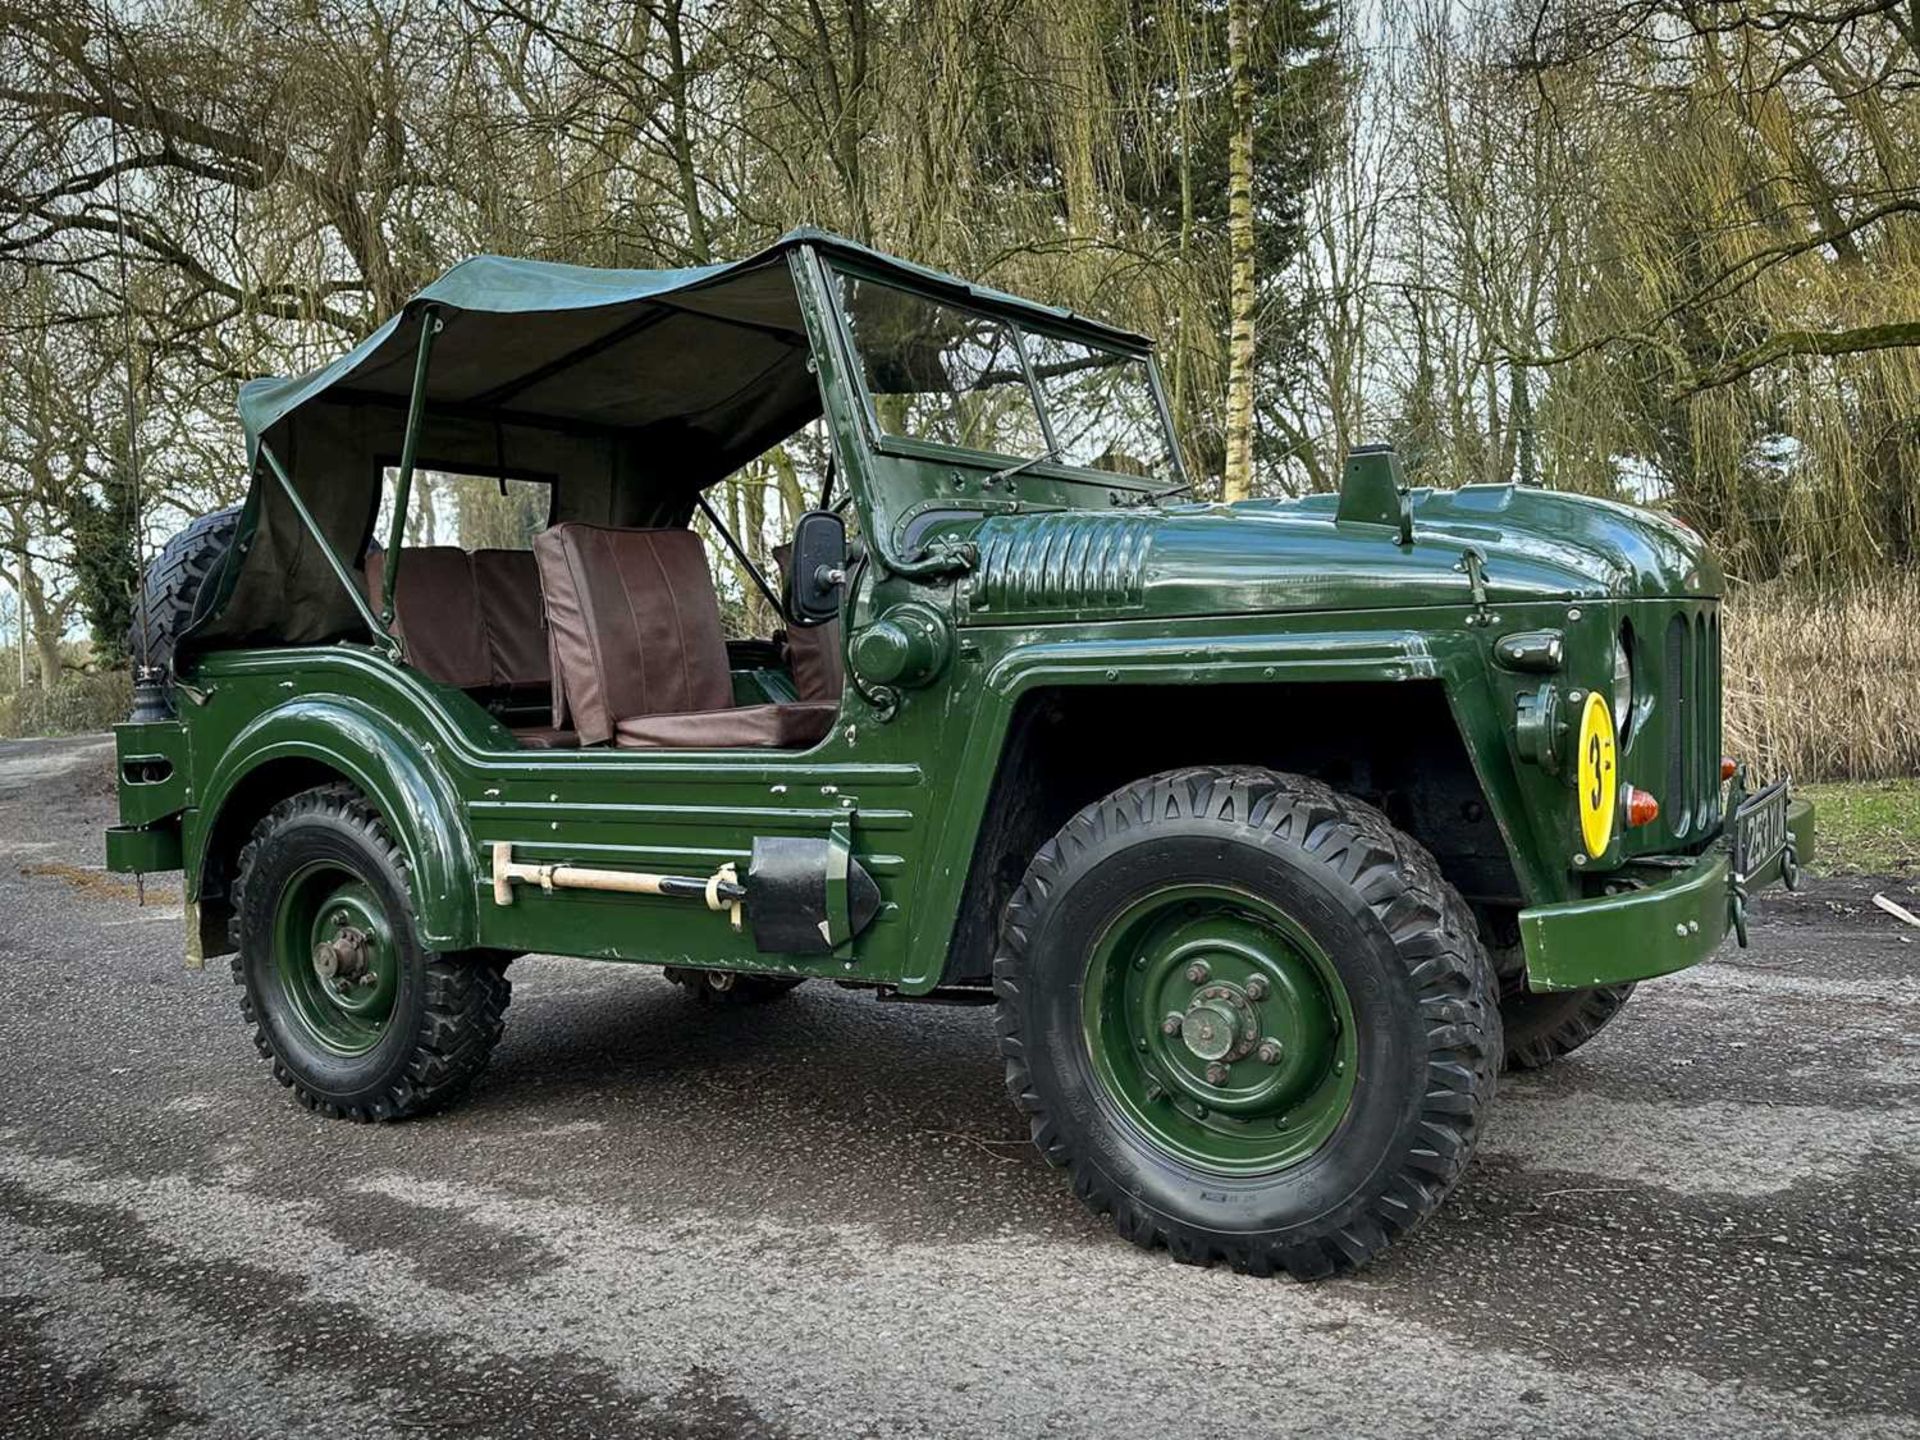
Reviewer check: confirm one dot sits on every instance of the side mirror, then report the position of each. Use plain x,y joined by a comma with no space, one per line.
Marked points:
819,569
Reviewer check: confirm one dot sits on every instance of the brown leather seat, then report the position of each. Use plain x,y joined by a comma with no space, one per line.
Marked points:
793,726
545,737
473,621
437,614
639,656
508,586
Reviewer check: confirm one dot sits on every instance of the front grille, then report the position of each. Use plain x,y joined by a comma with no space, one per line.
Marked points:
1678,695
1691,699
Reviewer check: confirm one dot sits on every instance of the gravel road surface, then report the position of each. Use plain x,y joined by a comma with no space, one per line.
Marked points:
821,1218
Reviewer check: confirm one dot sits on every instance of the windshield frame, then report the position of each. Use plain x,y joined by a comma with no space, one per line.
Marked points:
1020,323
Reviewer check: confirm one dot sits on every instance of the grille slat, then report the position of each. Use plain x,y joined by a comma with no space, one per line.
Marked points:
1690,721
1701,717
1678,694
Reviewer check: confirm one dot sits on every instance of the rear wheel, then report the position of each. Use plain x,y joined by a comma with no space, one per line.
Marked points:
1249,1018
360,1019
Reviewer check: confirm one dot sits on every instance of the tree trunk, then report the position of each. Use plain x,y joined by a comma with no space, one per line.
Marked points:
793,499
683,162
1520,418
46,643
1237,481
47,621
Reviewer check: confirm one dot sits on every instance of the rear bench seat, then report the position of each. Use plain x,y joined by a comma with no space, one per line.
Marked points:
473,621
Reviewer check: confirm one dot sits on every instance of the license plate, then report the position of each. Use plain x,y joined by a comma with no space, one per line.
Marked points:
1760,830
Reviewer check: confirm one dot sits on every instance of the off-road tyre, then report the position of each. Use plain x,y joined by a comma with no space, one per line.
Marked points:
730,987
171,589
1542,1026
447,1009
1423,994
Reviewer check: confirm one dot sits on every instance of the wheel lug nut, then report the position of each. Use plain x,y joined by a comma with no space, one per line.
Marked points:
1257,988
1171,1025
1197,973
1216,1074
1270,1052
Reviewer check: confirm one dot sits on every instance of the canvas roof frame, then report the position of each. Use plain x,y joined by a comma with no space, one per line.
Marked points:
316,442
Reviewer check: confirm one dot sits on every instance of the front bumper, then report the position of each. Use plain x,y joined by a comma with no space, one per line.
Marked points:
1656,930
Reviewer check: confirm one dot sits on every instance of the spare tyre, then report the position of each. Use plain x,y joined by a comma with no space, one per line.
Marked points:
170,596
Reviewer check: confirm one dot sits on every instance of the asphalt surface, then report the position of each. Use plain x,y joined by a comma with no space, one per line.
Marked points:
821,1218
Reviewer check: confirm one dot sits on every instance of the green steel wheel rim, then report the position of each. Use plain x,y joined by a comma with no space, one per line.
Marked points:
335,959
1220,1029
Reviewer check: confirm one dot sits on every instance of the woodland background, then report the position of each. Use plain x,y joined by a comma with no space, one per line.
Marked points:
1651,249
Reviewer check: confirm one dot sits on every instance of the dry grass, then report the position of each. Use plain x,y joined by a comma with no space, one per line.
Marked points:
100,885
1824,685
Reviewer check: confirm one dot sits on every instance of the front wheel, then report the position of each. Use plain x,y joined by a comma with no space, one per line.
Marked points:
357,1017
1249,1018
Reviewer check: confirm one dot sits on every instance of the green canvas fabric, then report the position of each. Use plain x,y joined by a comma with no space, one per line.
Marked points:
632,389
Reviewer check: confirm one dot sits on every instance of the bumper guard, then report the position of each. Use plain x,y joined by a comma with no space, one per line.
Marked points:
1660,928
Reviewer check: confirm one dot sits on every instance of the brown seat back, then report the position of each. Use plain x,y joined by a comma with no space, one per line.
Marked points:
508,582
634,626
437,613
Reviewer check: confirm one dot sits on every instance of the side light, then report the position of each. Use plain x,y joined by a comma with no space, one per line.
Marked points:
1622,684
1642,808
1541,650
1727,767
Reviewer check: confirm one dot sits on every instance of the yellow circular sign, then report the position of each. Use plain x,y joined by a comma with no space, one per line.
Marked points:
1597,776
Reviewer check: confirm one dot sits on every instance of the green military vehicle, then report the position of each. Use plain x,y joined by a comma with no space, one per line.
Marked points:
1270,829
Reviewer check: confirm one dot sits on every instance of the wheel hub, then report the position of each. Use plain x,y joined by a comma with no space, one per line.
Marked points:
336,955
345,958
1224,1025
1220,1024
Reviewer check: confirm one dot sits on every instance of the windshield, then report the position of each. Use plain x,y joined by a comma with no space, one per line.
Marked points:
953,376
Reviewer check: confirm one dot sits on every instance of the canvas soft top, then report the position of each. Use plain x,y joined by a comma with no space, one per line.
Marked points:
633,389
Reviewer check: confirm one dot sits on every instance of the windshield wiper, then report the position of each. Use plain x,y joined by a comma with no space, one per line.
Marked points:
1154,497
1012,470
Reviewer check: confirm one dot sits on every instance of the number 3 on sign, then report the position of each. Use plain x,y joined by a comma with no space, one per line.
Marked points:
1598,765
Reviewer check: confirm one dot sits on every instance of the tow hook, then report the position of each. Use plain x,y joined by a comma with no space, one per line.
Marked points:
1737,899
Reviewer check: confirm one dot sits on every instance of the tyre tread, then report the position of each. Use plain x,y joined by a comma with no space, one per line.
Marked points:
466,996
170,590
1433,931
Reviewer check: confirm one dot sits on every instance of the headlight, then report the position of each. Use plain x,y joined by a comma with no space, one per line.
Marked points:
1622,684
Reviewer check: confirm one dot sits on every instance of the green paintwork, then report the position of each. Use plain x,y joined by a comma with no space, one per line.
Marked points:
1374,492
136,851
430,326
346,1015
155,773
1674,922
1050,580
1260,978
